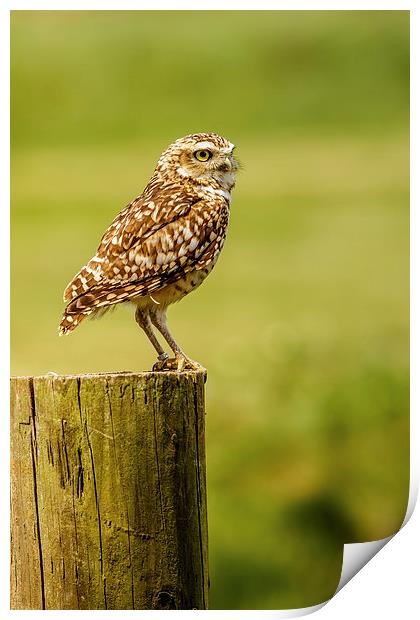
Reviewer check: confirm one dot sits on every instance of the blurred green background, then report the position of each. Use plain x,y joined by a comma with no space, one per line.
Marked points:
303,325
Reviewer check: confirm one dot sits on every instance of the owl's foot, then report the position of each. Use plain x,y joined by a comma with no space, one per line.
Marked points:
179,363
161,363
185,363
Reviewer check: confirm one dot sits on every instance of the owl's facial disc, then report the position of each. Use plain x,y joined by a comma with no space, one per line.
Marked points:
206,160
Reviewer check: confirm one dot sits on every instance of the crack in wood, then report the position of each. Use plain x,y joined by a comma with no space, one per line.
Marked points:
198,483
98,515
34,453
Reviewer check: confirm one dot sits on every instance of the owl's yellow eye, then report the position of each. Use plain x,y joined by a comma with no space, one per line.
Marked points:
202,155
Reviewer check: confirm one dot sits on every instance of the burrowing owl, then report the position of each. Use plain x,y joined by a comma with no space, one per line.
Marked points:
163,244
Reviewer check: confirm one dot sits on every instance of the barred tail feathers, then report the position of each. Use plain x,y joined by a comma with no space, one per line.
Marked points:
77,310
96,302
99,299
70,321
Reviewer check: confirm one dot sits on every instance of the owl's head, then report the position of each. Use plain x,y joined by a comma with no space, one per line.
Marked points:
202,157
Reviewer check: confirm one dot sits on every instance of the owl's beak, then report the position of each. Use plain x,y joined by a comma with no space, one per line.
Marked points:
228,164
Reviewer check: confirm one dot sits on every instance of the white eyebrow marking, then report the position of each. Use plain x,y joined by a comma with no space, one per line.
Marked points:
228,150
204,145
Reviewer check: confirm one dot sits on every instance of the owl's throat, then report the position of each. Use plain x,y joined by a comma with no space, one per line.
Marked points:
226,180
218,178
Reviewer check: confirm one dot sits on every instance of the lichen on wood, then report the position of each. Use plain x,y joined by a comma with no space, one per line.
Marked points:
109,492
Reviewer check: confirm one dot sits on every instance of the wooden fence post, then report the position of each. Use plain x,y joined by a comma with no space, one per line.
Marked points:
108,492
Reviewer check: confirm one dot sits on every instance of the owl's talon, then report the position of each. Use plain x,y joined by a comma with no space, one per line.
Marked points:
179,363
185,363
164,364
161,361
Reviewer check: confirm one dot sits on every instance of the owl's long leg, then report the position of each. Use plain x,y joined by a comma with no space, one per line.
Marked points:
143,320
158,318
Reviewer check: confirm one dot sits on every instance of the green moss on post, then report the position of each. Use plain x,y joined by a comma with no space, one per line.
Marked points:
109,492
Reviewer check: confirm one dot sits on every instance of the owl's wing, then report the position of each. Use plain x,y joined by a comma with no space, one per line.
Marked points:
156,207
144,216
158,257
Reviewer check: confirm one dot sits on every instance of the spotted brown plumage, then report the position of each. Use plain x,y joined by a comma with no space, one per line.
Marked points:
164,243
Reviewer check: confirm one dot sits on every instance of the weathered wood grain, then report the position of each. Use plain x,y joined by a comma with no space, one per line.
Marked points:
108,492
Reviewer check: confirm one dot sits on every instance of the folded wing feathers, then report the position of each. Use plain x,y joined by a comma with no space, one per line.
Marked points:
146,248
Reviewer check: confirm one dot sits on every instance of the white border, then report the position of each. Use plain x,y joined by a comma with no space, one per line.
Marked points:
206,5
388,584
